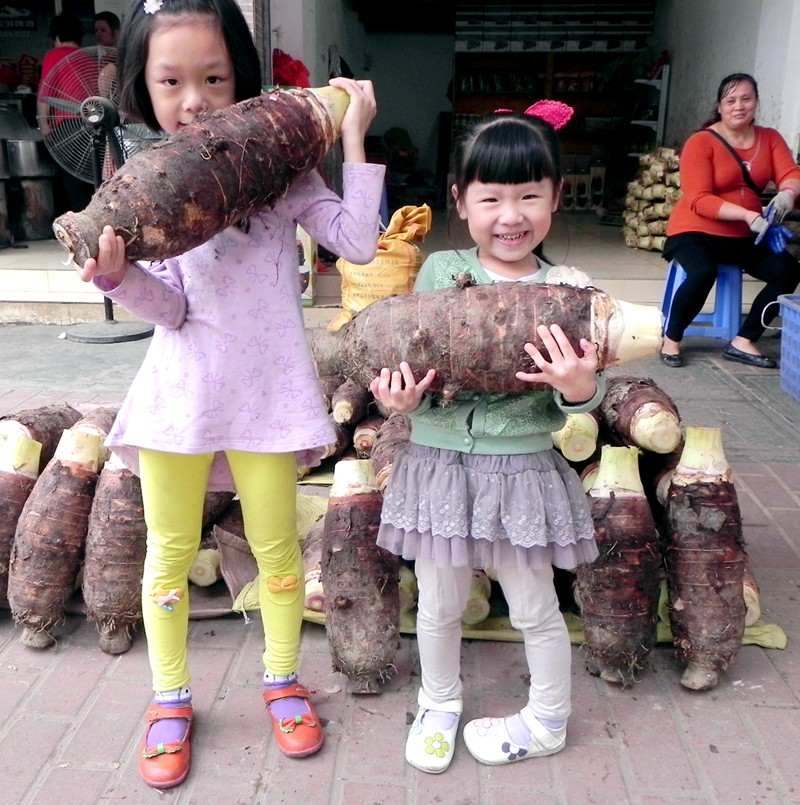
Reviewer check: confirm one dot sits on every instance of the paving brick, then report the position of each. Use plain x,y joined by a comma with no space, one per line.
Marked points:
755,680
368,794
525,796
779,732
25,752
643,721
594,776
108,722
770,492
13,689
738,777
73,785
84,670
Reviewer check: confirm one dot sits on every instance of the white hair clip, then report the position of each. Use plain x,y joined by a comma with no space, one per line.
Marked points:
151,6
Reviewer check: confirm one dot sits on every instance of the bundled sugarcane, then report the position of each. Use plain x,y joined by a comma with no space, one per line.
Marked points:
650,199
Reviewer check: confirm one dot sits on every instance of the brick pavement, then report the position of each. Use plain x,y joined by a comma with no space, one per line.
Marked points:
71,717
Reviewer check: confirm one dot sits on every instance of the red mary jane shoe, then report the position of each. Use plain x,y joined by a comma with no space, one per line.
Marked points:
166,765
299,735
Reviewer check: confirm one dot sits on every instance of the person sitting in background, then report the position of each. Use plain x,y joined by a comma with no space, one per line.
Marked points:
106,29
719,216
67,87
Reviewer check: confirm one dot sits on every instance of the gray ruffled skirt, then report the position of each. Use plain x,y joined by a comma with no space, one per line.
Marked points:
460,509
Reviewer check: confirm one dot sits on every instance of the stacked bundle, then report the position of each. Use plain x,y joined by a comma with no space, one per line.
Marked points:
650,199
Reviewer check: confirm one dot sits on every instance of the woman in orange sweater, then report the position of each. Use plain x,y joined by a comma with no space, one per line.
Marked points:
719,215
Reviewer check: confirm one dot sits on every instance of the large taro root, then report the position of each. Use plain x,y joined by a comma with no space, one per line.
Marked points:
619,591
362,605
706,560
179,193
473,336
51,532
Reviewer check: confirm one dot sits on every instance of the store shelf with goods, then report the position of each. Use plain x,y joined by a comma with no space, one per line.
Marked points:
484,82
650,109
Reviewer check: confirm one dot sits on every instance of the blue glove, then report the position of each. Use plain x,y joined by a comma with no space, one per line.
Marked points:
781,204
777,237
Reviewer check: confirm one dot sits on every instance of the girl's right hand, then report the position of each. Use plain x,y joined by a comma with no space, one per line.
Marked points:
398,390
110,262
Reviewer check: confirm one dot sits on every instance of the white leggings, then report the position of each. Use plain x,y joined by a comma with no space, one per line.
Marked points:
533,609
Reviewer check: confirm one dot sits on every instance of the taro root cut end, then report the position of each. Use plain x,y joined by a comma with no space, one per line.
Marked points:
76,238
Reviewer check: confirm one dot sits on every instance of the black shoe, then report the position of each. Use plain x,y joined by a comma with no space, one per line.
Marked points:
730,353
673,361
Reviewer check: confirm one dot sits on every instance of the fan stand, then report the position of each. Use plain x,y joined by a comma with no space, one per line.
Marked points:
100,116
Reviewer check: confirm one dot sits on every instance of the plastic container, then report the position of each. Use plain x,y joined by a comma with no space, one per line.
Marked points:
790,344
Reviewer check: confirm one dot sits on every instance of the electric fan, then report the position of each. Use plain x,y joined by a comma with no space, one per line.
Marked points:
85,134
78,118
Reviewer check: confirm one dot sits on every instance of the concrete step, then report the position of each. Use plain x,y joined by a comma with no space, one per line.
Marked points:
37,286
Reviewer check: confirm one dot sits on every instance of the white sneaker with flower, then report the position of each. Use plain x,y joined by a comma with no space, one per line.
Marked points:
488,741
431,738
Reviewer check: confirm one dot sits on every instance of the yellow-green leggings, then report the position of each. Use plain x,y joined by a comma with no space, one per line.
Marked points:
173,490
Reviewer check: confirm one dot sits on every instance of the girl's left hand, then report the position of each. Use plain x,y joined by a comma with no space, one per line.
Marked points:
358,117
566,371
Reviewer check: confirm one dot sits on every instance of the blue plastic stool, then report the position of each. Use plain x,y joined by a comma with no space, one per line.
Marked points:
726,318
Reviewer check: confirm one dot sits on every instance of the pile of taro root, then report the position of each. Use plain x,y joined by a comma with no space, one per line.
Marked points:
661,496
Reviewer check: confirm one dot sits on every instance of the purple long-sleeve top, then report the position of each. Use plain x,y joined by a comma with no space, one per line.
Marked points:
229,365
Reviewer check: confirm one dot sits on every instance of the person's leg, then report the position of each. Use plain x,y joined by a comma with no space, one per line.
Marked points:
540,727
781,275
173,492
443,594
699,261
267,488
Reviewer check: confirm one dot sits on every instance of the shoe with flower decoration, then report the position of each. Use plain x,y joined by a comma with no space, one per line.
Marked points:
489,741
431,738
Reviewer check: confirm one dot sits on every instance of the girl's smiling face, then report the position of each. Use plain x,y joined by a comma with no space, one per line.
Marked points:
189,70
507,222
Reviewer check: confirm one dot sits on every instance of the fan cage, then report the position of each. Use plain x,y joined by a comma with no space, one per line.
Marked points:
72,141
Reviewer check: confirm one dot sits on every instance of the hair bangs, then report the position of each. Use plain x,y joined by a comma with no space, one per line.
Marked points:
508,150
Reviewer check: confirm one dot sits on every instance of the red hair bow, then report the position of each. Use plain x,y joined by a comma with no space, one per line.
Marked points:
555,113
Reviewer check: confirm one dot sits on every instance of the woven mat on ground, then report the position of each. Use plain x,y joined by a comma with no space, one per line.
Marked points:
499,628
312,504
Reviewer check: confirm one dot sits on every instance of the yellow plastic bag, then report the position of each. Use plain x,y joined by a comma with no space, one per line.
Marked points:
394,268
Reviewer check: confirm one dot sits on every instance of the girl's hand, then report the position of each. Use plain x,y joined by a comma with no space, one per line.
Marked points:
358,117
110,261
398,390
566,371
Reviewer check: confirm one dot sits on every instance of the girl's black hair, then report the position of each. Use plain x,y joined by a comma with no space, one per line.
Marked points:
508,148
133,97
725,86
